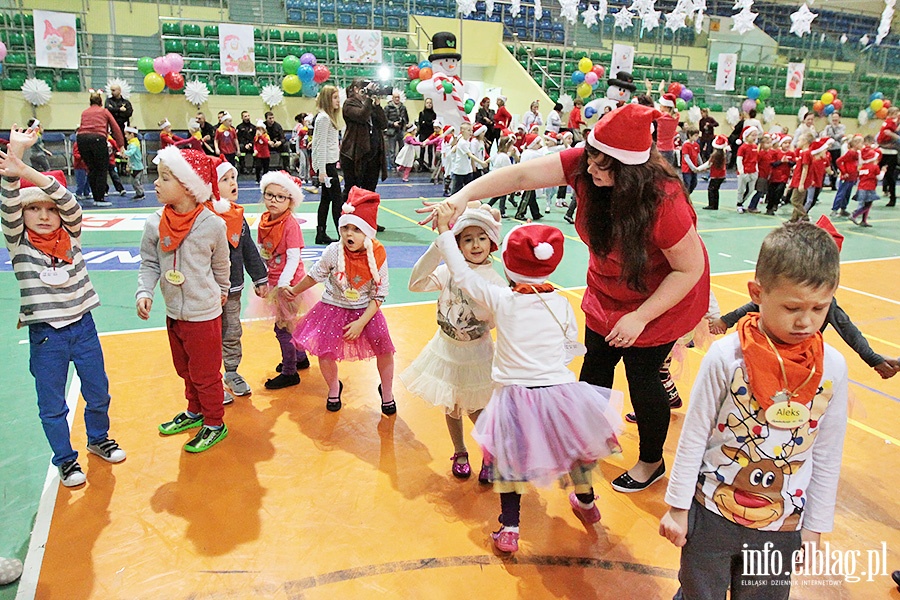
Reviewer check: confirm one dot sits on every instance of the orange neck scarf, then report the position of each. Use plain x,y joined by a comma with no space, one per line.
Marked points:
272,230
356,264
530,288
57,244
764,371
234,221
174,227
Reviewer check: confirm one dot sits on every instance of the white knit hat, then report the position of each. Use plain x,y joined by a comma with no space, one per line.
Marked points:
483,216
194,169
285,180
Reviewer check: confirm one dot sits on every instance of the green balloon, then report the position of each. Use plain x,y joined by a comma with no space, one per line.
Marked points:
764,92
680,104
412,86
145,65
290,64
470,104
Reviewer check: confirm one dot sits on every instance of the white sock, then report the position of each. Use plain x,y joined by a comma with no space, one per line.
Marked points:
508,528
583,505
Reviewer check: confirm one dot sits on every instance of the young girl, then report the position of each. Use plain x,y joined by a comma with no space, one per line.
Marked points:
765,158
540,423
848,165
406,158
261,150
135,156
347,324
167,138
280,244
225,141
716,166
782,161
747,160
819,165
498,161
301,146
800,177
454,370
869,174
480,162
690,159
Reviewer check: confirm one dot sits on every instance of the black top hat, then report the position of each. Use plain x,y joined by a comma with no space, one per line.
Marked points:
443,45
624,80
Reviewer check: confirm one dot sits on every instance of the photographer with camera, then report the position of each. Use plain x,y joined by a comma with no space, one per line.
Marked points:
362,149
397,120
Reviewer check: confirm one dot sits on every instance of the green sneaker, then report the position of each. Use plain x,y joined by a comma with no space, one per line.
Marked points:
181,422
206,438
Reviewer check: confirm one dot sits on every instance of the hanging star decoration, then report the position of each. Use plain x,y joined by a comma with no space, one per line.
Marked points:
538,10
801,20
698,22
884,27
864,40
743,21
650,20
515,7
569,10
623,18
675,19
589,16
489,7
466,7
742,4
602,10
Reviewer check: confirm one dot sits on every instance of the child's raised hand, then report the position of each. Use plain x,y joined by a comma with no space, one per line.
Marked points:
11,165
353,330
143,308
717,326
444,214
673,526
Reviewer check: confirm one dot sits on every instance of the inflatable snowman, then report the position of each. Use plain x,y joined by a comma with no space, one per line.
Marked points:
617,94
449,101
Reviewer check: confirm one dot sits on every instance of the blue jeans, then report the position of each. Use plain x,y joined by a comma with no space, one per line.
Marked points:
81,183
690,181
842,198
51,352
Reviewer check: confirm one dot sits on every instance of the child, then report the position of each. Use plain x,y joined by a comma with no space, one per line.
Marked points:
782,161
461,159
498,161
758,461
185,249
243,255
667,128
764,169
446,148
533,149
225,141
301,145
869,174
566,139
454,370
848,166
167,138
39,153
42,229
82,189
347,324
889,140
819,165
280,243
114,154
476,147
690,159
406,158
800,177
540,423
135,156
261,150
747,159
716,166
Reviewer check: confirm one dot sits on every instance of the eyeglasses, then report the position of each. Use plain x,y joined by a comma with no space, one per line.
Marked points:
276,197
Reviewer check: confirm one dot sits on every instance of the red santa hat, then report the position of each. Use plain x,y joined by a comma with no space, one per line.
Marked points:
720,142
667,100
868,154
30,193
819,146
520,127
483,216
533,141
746,131
361,210
552,135
506,132
448,129
194,169
826,224
624,133
479,129
531,252
285,180
785,138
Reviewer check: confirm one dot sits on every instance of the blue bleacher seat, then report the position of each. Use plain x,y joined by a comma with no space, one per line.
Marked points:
378,22
344,19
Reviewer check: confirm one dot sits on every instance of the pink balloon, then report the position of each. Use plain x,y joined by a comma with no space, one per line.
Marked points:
748,105
161,65
590,78
175,61
2,51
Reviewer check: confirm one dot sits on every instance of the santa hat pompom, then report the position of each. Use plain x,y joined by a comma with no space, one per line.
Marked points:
348,208
543,251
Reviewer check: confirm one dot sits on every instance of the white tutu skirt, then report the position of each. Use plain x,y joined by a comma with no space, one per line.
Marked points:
453,375
407,156
540,434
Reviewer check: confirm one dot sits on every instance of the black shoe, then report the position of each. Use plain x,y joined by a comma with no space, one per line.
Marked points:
282,381
332,404
388,408
896,577
302,365
322,239
568,219
379,228
625,484
771,213
537,218
710,208
891,204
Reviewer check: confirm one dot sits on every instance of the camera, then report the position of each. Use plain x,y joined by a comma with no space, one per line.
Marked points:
375,88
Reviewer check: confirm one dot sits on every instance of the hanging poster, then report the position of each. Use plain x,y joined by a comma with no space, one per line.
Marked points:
794,84
236,51
725,72
359,46
622,60
55,41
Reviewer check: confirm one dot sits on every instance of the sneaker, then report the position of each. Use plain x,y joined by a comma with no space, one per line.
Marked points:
228,398
844,213
506,540
568,219
206,438
123,193
236,383
834,214
740,210
562,204
281,381
102,204
108,450
311,189
181,422
588,516
753,211
547,211
71,475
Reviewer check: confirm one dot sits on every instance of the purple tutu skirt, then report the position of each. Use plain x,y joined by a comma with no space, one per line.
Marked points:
540,434
321,333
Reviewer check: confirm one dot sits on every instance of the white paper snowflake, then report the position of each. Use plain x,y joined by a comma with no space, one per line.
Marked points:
602,9
768,114
589,16
675,20
567,103
465,7
123,85
801,20
884,27
538,10
36,91
639,7
650,20
515,7
732,116
196,92
569,10
743,21
698,22
272,95
623,18
489,7
862,118
742,4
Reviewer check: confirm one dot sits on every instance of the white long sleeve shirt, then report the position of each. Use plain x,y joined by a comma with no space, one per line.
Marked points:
325,148
460,163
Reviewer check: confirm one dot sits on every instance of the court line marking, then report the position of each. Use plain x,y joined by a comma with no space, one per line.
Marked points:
870,295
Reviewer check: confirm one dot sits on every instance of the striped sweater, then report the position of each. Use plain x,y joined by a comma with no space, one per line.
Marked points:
41,303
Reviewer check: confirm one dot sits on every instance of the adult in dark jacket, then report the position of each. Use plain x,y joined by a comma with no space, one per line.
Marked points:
119,107
207,134
485,116
276,135
734,143
426,126
362,148
397,120
246,131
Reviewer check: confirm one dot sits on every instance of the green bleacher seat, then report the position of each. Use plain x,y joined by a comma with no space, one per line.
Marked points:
265,68
224,87
310,37
606,57
190,30
68,84
12,84
281,52
211,31
555,53
540,51
320,53
23,19
331,38
292,35
212,48
171,28
174,46
261,51
258,34
195,48
16,58
579,54
16,40
248,87
274,35
46,75
193,65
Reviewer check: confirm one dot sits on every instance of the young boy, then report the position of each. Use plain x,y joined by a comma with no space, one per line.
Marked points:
42,229
461,159
766,156
690,159
759,457
747,159
185,249
800,177
261,150
667,129
782,161
533,149
135,157
848,166
226,139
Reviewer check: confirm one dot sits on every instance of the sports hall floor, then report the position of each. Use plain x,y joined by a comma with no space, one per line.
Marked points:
300,503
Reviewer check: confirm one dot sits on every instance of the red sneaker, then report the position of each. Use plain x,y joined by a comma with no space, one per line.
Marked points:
588,516
506,541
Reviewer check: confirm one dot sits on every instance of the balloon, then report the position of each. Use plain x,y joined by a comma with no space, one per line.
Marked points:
577,77
154,83
827,98
887,104
829,108
291,84
833,92
687,95
818,106
748,105
174,61
469,105
2,50
425,73
589,112
310,91
838,105
321,73
308,58
595,85
145,65
599,70
876,104
881,113
871,113
764,92
675,89
413,86
753,92
585,65
161,65
290,64
1,68
583,90
876,96
590,78
412,71
680,104
305,73
425,64
174,80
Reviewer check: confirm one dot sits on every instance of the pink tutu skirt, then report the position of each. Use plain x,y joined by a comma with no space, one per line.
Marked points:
540,434
287,313
321,333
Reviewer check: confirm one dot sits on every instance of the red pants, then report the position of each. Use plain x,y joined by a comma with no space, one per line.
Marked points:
197,355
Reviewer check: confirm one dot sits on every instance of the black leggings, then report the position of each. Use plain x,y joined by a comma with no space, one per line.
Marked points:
363,176
331,196
261,166
648,394
773,199
95,154
889,184
713,191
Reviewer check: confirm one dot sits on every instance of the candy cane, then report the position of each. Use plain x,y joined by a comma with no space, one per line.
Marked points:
460,105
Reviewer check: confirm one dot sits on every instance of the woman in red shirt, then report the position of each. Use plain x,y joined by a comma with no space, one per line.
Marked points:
648,273
96,124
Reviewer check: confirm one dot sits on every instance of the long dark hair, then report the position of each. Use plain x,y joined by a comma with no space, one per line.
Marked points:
717,159
623,215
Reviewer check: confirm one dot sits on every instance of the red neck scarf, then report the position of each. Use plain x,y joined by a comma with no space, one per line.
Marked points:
57,244
234,221
272,230
356,264
764,371
530,288
174,227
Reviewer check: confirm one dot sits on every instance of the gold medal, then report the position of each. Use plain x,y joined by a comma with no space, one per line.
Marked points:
174,276
351,294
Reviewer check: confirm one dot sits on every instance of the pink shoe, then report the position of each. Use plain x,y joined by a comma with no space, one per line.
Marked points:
506,541
588,516
486,476
461,470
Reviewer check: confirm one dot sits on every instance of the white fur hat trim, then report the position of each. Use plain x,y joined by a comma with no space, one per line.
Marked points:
184,172
284,180
543,251
165,124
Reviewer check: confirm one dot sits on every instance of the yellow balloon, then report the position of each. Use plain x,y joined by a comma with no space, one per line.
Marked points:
291,84
827,98
877,105
584,90
154,82
585,65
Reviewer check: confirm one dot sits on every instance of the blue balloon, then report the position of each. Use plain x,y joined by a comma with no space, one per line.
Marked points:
871,112
589,112
577,77
305,73
828,110
753,92
876,96
595,85
425,64
1,68
311,90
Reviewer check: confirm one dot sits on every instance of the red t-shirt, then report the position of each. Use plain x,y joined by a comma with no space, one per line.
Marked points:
749,155
888,125
781,173
261,146
691,150
848,165
804,158
766,158
868,176
817,170
666,128
608,297
575,120
292,238
227,140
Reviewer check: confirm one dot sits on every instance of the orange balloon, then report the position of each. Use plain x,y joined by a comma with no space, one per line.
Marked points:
881,113
818,106
425,73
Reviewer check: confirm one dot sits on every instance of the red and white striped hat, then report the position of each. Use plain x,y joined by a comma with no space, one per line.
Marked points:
819,146
667,100
479,129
